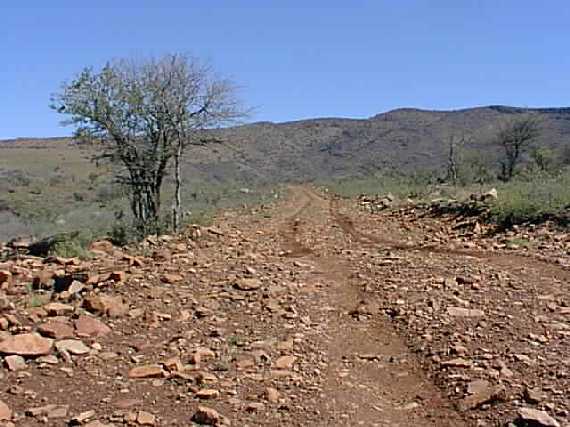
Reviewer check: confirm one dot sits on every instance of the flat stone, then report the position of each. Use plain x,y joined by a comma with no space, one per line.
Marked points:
15,363
247,284
57,330
50,411
5,412
76,347
146,371
58,309
272,395
82,417
207,393
537,418
481,394
31,344
91,327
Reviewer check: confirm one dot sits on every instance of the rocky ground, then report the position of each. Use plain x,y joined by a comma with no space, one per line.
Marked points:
310,312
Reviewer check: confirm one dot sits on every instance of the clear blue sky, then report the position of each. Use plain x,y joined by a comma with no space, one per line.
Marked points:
297,59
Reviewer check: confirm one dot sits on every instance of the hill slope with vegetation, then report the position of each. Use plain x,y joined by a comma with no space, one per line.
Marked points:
47,185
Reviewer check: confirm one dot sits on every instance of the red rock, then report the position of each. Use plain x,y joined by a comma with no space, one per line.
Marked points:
272,395
76,347
5,412
91,327
57,330
537,418
5,277
58,309
106,305
26,345
15,363
207,416
43,280
285,362
146,371
207,393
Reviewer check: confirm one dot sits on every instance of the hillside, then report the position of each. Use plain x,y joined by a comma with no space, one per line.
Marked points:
54,180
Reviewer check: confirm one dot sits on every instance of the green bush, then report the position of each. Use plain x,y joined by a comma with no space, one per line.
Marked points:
73,245
533,199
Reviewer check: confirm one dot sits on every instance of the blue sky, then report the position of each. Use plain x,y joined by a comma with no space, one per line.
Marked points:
297,59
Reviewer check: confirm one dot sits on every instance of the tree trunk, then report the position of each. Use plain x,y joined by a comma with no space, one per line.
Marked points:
178,180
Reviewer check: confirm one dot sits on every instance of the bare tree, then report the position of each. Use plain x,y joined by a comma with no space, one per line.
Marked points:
455,147
145,113
515,138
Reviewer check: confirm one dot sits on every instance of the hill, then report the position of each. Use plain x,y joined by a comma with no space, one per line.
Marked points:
47,178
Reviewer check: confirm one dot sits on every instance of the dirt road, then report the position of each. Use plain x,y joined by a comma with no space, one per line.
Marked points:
308,312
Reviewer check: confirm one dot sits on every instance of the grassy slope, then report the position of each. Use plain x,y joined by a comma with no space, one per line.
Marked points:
53,185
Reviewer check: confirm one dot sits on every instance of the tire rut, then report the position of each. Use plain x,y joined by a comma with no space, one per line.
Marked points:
372,379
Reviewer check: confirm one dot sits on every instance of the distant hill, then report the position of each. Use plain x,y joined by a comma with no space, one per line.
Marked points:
404,140
51,177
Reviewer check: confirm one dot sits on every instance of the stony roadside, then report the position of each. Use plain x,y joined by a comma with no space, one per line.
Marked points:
488,312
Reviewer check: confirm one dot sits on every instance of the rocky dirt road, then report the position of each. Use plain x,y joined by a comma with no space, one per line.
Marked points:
309,312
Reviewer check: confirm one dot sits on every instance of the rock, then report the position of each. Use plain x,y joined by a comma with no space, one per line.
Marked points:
31,344
201,355
247,284
58,309
43,280
5,412
492,194
90,327
5,277
76,347
102,246
464,312
285,362
57,330
50,359
532,395
536,418
171,278
481,393
146,418
15,363
272,395
207,393
146,371
50,411
81,418
208,416
106,305
255,406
